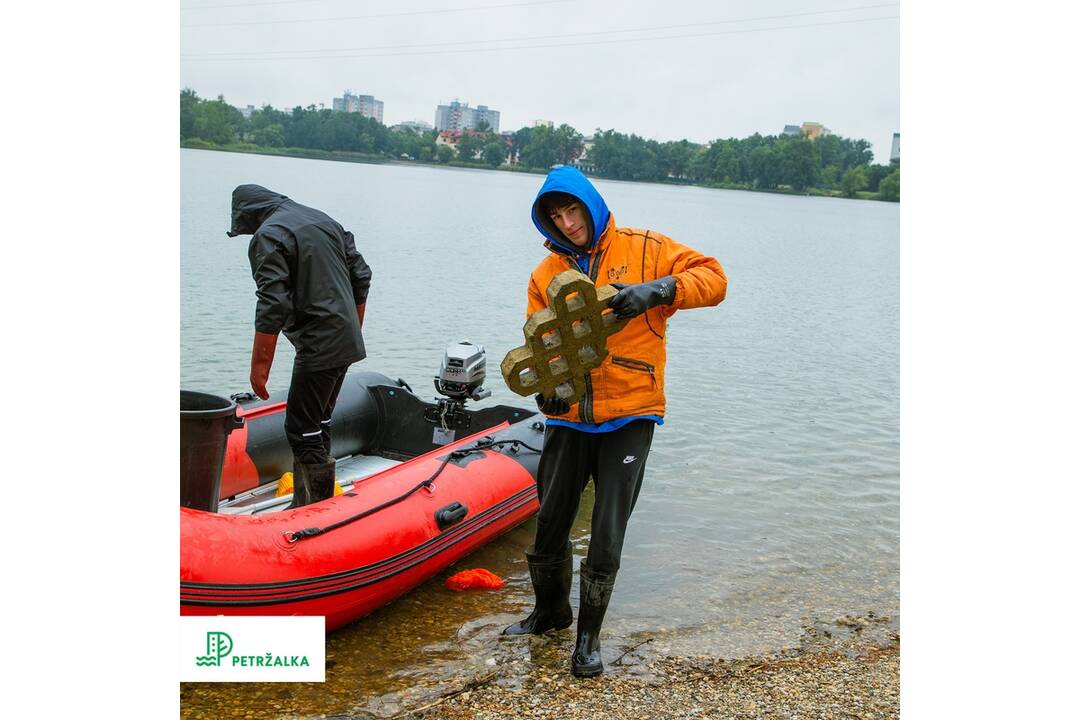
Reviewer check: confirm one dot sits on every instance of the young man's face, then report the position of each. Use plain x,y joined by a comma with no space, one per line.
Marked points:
571,221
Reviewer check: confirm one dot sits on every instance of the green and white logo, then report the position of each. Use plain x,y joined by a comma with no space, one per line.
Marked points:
218,645
272,648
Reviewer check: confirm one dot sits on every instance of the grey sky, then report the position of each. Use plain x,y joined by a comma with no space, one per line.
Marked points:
713,80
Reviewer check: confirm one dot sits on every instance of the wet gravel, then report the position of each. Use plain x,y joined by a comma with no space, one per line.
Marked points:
853,673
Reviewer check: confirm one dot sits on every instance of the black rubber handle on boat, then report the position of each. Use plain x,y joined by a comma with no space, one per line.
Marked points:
452,514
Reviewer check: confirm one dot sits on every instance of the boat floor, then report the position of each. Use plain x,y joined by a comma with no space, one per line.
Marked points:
261,500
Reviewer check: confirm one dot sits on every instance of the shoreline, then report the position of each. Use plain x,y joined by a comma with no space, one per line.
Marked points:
362,158
853,679
849,668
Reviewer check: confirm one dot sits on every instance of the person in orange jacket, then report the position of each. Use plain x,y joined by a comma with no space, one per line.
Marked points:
607,435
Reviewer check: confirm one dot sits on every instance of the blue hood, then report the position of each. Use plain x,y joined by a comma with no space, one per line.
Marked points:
571,181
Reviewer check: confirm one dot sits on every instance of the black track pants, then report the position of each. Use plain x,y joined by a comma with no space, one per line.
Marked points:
616,463
312,396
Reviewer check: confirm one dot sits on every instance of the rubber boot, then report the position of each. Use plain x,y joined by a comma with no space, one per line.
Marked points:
551,577
301,490
320,480
595,594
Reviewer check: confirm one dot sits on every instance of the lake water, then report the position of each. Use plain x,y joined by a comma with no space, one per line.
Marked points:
771,499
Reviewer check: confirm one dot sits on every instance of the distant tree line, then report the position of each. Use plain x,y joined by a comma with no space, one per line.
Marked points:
829,163
760,161
217,122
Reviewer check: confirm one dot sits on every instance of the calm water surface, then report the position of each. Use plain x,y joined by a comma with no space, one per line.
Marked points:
771,500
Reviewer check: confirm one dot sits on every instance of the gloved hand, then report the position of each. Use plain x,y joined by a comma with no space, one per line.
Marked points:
262,357
633,300
552,406
360,314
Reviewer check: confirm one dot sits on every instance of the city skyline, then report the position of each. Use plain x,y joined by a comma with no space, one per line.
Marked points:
689,70
788,129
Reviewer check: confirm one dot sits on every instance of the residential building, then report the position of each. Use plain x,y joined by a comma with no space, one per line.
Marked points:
894,153
792,130
416,126
814,130
486,114
454,137
583,163
459,116
366,105
543,123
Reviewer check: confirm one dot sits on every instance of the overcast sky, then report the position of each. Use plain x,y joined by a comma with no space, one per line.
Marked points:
664,69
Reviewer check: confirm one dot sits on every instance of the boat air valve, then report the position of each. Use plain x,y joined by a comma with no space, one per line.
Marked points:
461,377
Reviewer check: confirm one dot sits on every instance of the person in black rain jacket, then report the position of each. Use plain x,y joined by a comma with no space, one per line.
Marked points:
311,284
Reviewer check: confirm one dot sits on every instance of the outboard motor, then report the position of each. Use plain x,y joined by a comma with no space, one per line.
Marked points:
461,377
462,374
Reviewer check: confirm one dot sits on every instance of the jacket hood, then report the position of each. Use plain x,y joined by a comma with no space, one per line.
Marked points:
571,181
251,205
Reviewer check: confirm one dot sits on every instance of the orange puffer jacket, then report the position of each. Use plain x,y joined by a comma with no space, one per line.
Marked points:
630,381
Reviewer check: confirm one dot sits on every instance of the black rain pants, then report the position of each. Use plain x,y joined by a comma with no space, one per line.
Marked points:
312,396
615,461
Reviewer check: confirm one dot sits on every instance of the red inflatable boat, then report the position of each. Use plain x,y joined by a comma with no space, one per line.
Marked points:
424,484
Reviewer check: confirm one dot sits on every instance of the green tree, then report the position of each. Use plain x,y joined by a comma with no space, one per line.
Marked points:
542,150
265,117
890,187
674,159
875,174
855,179
494,153
269,136
469,147
303,128
861,152
188,101
626,157
800,163
700,164
217,121
519,140
764,167
445,153
830,175
833,151
569,144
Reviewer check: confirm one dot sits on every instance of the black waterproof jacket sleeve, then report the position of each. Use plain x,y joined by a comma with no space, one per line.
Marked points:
309,278
269,256
359,272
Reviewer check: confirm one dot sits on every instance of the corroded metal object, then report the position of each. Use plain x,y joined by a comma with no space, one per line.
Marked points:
563,341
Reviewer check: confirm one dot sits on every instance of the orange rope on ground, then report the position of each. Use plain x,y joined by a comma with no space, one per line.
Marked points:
477,578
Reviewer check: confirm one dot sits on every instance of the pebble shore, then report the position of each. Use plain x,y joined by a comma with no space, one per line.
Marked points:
854,678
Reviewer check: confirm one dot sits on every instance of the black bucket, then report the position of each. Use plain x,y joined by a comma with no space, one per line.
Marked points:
205,423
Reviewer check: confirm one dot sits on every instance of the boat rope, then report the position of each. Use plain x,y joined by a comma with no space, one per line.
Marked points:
484,443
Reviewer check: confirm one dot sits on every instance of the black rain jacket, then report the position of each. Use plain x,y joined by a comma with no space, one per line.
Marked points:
308,275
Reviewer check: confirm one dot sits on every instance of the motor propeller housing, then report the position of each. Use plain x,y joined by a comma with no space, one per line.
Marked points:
462,373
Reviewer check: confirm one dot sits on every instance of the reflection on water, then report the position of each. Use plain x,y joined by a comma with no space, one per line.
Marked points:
771,500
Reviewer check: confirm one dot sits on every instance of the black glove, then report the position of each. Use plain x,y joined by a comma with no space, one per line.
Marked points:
552,406
633,300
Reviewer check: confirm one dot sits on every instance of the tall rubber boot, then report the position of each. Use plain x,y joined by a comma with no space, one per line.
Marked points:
551,577
320,480
595,595
301,490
